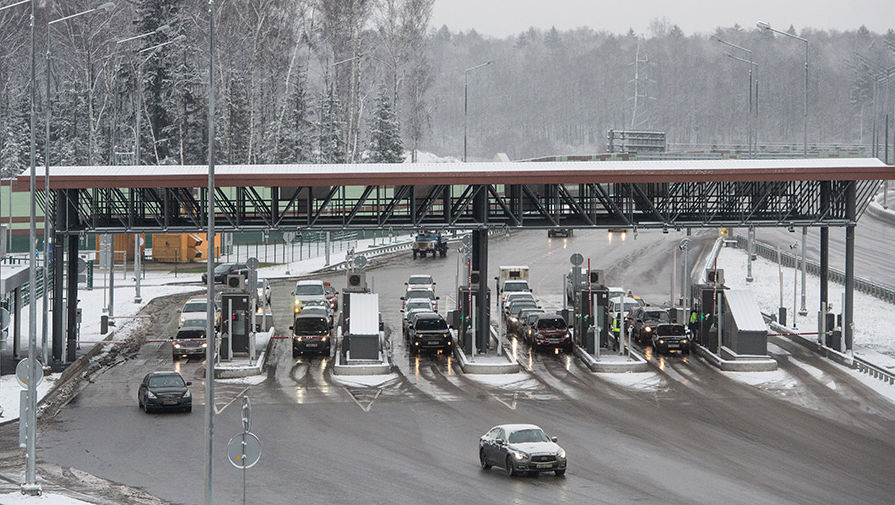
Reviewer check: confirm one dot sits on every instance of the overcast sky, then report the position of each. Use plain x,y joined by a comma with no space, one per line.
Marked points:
500,18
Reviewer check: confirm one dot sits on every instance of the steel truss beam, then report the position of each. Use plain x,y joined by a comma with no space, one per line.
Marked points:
408,207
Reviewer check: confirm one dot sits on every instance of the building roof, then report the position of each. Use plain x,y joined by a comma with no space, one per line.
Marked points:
394,174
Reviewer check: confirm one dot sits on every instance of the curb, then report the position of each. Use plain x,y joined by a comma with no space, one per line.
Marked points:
472,367
751,364
368,368
235,372
639,364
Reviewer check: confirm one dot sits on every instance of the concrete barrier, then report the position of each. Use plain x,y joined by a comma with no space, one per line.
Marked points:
637,363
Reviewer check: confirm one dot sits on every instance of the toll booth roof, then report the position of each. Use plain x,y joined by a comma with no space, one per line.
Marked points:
744,309
364,315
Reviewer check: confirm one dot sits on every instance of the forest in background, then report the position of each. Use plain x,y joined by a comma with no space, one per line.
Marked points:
316,81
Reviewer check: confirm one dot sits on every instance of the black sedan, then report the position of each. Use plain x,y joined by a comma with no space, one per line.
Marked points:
164,391
223,270
519,448
671,337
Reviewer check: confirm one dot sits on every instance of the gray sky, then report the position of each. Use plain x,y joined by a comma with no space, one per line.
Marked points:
500,18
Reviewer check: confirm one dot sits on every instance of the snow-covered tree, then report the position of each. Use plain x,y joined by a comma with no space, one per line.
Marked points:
294,133
331,143
385,145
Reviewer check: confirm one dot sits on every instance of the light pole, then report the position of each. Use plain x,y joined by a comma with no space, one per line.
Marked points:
466,100
48,219
209,296
795,281
753,109
765,26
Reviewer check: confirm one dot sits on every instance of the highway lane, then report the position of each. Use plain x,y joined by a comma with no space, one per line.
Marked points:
697,436
874,246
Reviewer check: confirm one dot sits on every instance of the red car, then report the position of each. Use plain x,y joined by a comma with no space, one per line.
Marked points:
332,296
550,332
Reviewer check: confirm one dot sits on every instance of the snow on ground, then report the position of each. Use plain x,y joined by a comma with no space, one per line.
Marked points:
775,380
515,381
9,395
44,499
370,381
251,380
645,381
874,318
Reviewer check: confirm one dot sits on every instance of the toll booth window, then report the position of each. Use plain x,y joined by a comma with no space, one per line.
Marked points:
515,286
311,326
551,323
670,330
431,324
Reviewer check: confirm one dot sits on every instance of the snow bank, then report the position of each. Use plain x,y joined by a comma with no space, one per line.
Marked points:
44,499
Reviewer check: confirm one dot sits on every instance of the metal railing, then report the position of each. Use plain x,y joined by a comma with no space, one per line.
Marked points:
869,287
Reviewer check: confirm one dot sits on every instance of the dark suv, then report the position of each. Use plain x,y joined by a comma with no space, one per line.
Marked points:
670,337
311,333
428,331
643,322
223,270
549,331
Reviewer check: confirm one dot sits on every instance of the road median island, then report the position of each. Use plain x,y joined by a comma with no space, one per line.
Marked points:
612,362
502,363
242,366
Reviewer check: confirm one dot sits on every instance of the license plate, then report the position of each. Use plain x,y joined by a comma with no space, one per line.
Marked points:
170,402
673,345
545,465
311,344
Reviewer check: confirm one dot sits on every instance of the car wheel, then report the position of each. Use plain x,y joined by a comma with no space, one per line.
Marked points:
560,473
483,460
146,408
510,469
188,409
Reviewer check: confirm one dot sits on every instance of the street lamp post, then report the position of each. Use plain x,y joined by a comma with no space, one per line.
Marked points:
209,328
466,100
48,219
765,26
753,105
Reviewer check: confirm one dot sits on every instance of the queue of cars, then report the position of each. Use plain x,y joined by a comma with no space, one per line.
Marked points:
315,303
423,328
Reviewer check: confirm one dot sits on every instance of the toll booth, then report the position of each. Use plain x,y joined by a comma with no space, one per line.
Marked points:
707,308
239,321
469,298
592,310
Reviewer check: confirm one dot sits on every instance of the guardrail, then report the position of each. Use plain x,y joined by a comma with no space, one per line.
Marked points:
769,252
859,364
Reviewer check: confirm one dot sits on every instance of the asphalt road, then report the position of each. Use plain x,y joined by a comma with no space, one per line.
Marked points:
697,436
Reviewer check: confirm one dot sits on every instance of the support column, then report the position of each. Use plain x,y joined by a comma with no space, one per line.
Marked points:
17,322
58,276
72,295
480,264
850,211
824,245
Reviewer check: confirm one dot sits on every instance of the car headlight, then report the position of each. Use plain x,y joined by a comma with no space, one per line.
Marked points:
647,329
561,454
150,395
204,344
519,455
683,341
177,346
187,394
182,320
661,341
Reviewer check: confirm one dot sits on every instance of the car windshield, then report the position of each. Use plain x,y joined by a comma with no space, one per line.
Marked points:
656,315
431,324
670,330
311,326
519,307
316,303
515,286
222,268
418,306
309,289
166,381
195,307
420,279
190,333
419,293
551,323
528,435
520,296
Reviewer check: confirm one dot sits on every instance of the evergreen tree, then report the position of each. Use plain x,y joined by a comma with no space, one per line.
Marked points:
68,130
238,121
15,155
294,142
331,127
385,134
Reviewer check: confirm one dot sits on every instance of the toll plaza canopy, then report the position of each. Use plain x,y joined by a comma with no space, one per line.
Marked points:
585,194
